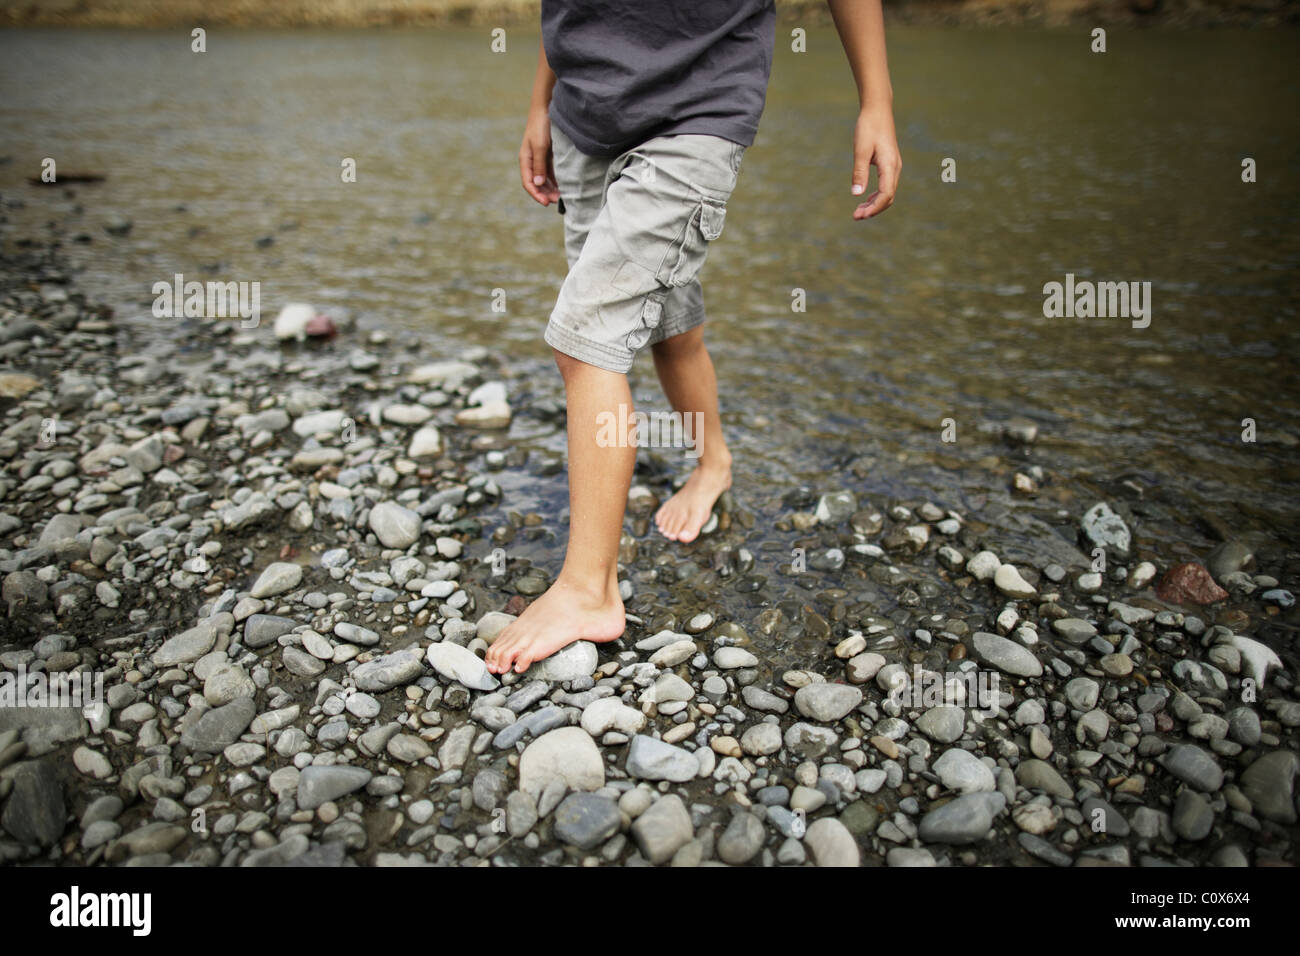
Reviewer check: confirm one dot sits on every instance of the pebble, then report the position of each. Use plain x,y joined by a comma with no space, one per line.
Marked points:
732,658
827,702
1106,530
831,844
394,526
579,659
317,784
962,771
610,713
389,671
742,840
1008,580
1005,655
276,579
459,664
760,740
651,759
566,755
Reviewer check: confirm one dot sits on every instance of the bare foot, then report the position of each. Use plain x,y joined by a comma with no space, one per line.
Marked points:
683,515
559,617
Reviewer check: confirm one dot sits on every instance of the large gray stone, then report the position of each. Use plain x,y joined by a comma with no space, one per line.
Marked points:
389,671
567,755
831,843
1040,775
318,785
965,819
663,829
943,724
219,727
742,839
1269,784
188,646
579,659
586,820
652,759
1007,656
1192,817
261,630
35,812
1192,765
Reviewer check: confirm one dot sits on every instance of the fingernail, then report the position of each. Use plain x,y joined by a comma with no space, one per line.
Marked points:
538,180
858,188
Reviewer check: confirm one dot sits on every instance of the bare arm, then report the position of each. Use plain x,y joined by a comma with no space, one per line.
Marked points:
861,27
535,167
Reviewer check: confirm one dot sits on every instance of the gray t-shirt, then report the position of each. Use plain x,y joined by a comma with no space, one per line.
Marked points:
630,70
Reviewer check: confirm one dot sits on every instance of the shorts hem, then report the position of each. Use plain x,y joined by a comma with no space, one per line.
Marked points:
670,326
587,350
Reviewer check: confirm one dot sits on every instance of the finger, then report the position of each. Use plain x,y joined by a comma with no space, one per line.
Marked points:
529,165
861,174
552,182
876,203
543,176
526,173
887,174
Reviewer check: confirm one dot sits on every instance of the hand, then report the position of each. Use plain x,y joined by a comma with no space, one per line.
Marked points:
874,144
535,166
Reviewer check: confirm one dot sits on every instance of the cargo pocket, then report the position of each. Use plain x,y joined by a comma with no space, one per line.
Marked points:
686,256
713,216
651,313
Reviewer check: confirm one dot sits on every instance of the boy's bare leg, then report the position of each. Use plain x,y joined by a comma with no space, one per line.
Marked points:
687,376
583,604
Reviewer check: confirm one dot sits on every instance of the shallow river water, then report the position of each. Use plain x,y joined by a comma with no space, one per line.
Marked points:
1124,167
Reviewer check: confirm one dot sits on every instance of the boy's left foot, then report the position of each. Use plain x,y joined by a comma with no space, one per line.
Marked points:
555,620
685,513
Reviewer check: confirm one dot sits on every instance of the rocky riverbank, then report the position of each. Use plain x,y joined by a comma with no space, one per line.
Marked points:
285,560
371,13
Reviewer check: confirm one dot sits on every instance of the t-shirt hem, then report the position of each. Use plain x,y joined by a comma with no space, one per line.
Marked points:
732,132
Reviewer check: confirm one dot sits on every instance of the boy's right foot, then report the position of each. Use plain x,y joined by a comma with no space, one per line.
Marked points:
559,617
683,515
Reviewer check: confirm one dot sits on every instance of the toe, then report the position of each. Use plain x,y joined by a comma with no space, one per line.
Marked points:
498,656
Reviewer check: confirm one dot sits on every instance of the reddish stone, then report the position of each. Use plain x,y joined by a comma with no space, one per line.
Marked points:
321,326
516,605
1189,584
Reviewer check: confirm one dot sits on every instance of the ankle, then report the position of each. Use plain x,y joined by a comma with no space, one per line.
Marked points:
592,590
718,463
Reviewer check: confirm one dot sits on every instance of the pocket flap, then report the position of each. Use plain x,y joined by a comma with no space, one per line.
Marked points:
712,218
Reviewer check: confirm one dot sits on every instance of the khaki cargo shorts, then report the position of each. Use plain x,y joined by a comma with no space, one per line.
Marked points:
636,232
